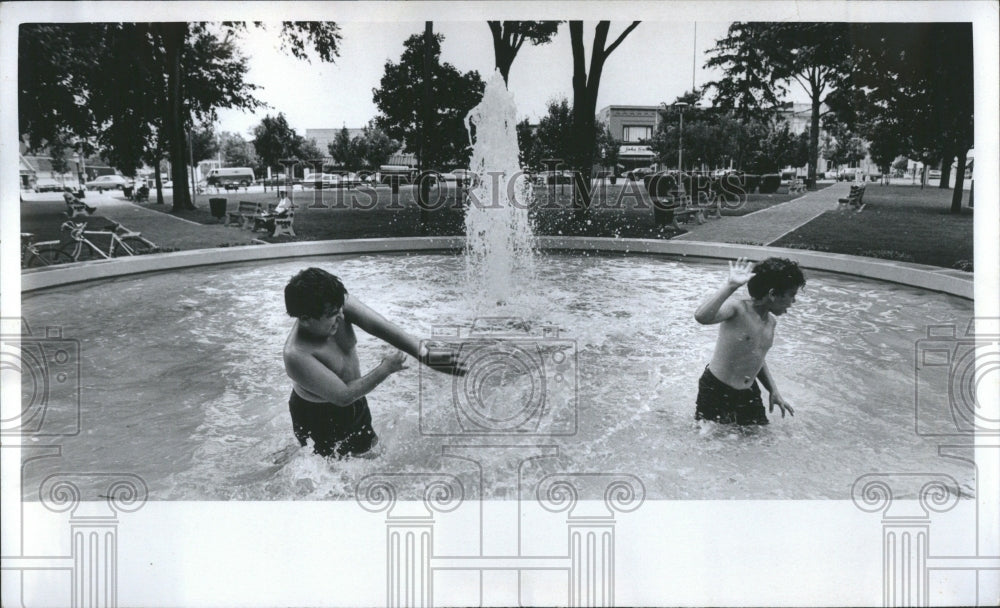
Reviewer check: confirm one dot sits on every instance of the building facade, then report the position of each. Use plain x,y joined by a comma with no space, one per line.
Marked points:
631,126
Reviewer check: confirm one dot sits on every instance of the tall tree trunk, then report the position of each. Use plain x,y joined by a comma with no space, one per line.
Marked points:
502,51
946,169
424,186
159,183
813,139
956,195
175,34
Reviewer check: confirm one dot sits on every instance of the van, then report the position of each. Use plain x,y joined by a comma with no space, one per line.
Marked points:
230,176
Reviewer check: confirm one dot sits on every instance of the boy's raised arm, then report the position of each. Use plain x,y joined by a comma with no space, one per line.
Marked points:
356,312
713,309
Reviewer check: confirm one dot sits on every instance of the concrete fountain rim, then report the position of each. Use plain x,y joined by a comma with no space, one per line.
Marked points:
931,278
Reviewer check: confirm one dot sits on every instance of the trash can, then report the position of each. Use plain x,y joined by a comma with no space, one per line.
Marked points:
127,191
217,207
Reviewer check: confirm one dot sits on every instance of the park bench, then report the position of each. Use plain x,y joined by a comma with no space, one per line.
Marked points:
797,186
245,213
282,225
76,207
678,201
855,198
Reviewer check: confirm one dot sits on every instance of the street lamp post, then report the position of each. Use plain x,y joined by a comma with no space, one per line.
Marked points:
680,135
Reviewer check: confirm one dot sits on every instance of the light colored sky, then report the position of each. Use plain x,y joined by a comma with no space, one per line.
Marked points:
653,64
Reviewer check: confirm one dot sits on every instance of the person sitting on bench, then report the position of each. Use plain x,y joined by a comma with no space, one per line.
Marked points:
266,220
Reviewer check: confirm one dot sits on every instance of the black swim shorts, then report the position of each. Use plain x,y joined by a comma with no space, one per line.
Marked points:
719,402
335,430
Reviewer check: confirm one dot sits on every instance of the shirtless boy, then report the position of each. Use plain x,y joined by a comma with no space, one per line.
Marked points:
728,391
328,402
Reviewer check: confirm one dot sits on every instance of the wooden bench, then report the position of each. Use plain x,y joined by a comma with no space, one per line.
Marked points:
76,207
283,225
679,203
854,199
245,213
797,186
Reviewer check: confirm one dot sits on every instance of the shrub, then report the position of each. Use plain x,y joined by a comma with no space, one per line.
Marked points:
769,183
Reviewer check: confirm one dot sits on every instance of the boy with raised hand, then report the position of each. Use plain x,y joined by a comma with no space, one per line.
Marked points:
328,403
728,390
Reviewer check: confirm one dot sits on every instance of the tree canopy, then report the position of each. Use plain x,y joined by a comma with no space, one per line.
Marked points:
761,60
510,36
444,141
134,90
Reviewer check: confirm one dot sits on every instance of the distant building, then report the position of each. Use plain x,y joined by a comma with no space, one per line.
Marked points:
36,172
631,125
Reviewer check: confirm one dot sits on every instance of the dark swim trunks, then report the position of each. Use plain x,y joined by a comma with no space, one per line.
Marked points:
719,402
335,430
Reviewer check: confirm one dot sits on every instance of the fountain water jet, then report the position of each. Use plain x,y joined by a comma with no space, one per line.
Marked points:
499,240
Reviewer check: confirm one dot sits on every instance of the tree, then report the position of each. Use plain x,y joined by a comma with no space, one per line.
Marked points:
399,97
275,141
585,88
762,59
204,143
134,90
915,82
606,148
375,147
509,36
530,155
238,152
344,150
554,136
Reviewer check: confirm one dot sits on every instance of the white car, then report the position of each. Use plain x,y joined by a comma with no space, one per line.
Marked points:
108,182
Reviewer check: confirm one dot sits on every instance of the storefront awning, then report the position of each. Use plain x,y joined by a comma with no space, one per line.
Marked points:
632,151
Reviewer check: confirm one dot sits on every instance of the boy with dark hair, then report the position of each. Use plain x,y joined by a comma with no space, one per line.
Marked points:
728,391
328,403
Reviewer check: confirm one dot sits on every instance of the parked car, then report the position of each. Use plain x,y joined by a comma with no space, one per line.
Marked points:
320,181
638,174
47,184
109,182
934,174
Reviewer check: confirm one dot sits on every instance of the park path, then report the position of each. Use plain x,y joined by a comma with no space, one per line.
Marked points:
168,230
767,225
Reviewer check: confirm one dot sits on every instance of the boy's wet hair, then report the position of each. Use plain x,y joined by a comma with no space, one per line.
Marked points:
779,274
313,293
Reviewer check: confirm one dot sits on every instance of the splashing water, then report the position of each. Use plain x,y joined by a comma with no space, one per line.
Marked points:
499,241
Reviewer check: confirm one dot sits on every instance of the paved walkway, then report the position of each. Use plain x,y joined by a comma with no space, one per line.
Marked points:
767,225
164,229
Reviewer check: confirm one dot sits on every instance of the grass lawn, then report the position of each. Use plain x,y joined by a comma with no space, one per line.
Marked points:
898,223
620,210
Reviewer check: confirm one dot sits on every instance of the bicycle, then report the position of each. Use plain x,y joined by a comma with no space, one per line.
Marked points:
44,253
121,241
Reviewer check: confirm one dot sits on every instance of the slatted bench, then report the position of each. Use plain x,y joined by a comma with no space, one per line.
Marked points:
283,225
855,198
245,213
76,207
797,186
